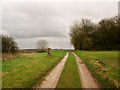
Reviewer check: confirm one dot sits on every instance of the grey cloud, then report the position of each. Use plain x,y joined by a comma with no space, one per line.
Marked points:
26,21
33,22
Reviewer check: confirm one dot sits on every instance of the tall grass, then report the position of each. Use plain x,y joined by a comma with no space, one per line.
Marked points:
103,65
28,70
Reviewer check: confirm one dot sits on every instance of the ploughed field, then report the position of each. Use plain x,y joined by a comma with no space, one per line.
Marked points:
103,66
25,71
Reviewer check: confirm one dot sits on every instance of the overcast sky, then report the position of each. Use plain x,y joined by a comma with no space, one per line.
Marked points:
29,22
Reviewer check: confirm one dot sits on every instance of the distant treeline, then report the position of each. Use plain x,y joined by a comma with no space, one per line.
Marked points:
103,35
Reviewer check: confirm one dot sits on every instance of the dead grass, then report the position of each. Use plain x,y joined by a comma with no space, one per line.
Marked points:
103,65
11,56
8,56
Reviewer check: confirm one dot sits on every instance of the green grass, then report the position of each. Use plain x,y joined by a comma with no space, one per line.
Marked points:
103,65
27,70
69,77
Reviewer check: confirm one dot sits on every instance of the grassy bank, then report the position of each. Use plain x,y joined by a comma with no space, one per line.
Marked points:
103,65
69,77
27,70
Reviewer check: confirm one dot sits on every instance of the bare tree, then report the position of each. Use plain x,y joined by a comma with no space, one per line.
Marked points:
42,45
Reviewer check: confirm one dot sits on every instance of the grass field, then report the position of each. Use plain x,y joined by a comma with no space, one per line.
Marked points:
27,70
69,77
103,65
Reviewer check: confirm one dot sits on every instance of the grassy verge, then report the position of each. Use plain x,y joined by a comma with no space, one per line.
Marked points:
103,65
27,70
69,77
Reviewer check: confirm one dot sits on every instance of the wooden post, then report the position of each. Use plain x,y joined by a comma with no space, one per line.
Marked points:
49,51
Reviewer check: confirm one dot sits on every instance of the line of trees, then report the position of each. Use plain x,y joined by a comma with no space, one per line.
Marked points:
86,35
